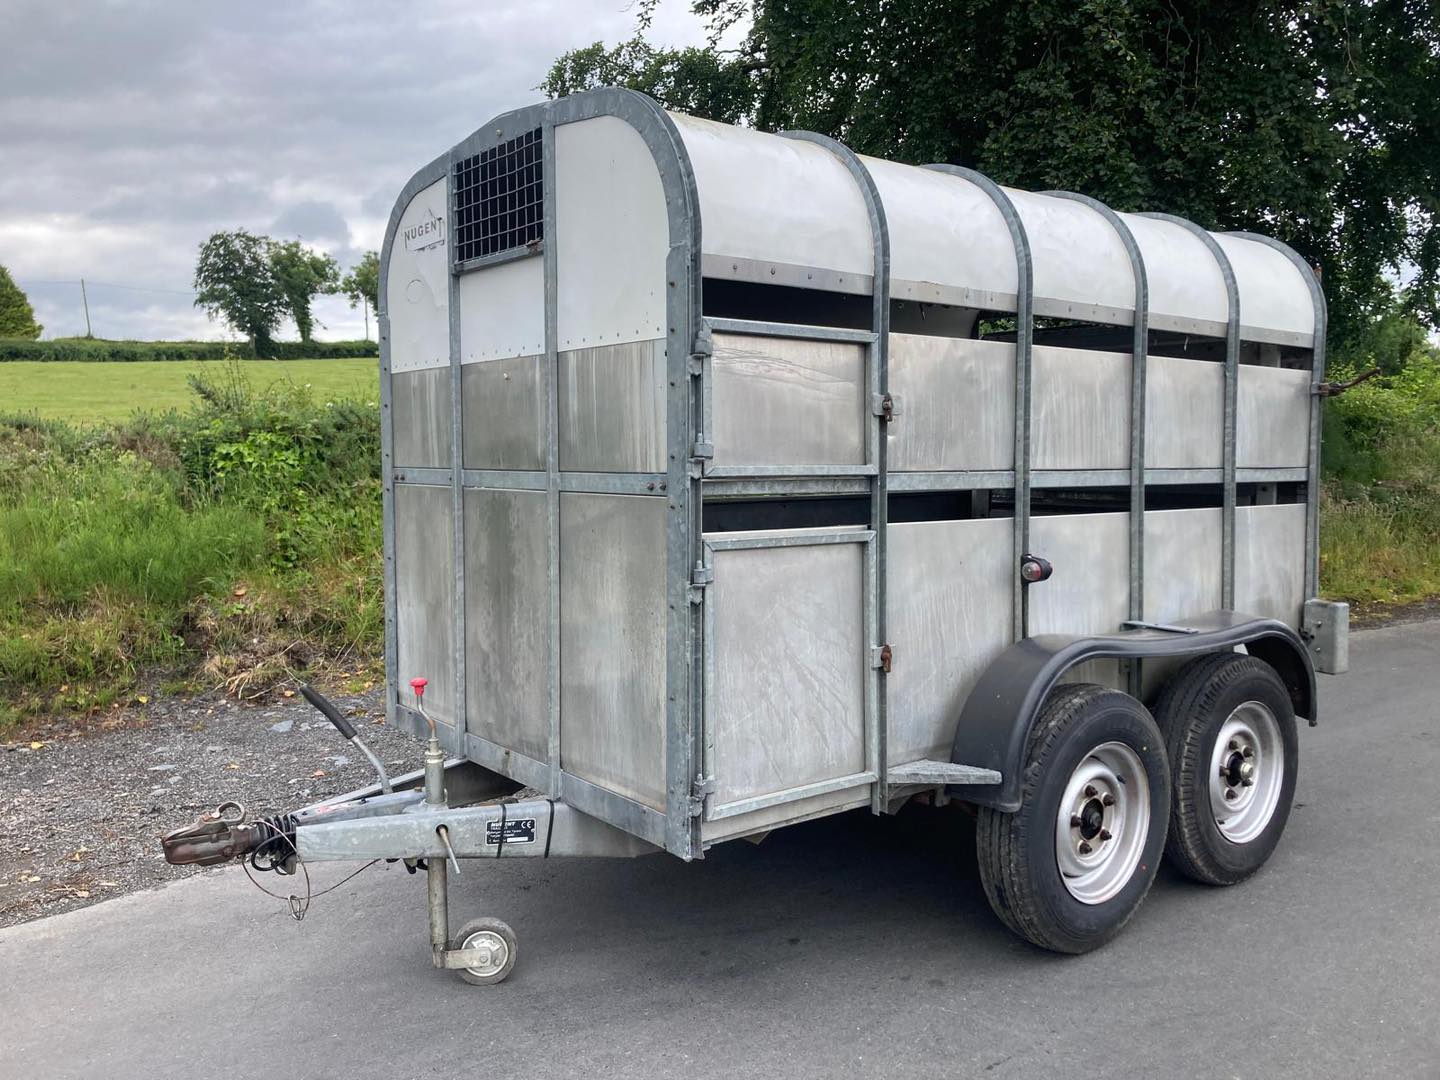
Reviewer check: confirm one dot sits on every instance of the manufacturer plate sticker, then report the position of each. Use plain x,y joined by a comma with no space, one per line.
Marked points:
516,831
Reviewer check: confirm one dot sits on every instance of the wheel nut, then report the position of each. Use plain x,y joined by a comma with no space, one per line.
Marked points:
1090,791
1104,834
1075,821
1234,744
1107,799
1085,847
1249,781
1248,752
1229,793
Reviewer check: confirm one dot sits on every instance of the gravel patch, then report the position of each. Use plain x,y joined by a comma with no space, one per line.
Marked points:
82,812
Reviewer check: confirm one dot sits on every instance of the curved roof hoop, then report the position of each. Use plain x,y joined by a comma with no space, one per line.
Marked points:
1024,349
879,380
1317,376
1232,378
1140,343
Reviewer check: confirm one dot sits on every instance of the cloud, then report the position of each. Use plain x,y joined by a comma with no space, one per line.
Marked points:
132,129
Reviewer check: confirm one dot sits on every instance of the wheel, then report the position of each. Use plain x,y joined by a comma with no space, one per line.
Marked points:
1230,733
1068,869
498,940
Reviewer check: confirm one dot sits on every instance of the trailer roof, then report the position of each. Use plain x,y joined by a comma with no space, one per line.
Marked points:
789,212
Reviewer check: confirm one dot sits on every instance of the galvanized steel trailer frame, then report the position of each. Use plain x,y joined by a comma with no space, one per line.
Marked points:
690,474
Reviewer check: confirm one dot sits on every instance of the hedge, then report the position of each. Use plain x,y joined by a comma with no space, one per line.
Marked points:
98,349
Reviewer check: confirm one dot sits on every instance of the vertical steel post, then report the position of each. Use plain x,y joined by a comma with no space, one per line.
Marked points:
1024,406
1139,346
457,468
878,369
551,382
1230,391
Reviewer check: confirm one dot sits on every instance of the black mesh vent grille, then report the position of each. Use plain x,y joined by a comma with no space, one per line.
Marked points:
499,198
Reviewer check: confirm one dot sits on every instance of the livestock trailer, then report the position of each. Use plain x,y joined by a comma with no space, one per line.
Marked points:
735,479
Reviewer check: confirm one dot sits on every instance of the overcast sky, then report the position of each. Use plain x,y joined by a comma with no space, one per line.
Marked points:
131,130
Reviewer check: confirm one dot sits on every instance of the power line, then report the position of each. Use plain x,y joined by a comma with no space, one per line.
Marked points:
111,285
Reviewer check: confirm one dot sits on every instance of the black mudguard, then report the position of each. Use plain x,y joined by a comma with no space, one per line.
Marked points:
995,723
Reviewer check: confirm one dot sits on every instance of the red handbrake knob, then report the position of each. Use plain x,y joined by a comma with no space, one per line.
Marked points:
418,684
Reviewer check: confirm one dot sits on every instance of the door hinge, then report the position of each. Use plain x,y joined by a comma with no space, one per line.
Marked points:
881,658
699,788
885,406
700,577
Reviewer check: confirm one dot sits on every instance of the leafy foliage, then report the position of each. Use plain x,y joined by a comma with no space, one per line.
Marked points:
362,284
240,536
1310,121
301,275
17,317
98,349
235,282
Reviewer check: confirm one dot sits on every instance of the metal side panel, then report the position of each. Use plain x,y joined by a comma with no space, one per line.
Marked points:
420,406
1182,564
789,653
957,404
507,641
425,596
504,419
1089,592
612,408
1273,421
1270,561
1184,413
948,615
1081,409
783,401
612,643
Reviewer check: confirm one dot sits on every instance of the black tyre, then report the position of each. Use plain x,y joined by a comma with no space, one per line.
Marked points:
1069,868
1230,734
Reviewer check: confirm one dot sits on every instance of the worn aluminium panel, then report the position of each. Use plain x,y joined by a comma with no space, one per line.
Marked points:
948,615
417,285
1270,561
420,404
790,661
1081,408
1089,592
502,310
504,420
612,408
787,402
1275,300
775,202
611,235
1077,258
1182,563
1184,413
612,643
507,638
1273,420
425,586
957,404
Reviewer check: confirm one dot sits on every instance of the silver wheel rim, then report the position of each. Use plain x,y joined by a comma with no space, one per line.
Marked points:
1247,771
492,952
1103,822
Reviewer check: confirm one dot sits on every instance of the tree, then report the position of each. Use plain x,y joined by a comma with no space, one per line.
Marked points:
1310,121
235,282
302,275
17,317
362,285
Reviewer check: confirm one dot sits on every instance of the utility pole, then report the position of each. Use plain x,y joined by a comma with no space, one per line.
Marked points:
86,301
365,303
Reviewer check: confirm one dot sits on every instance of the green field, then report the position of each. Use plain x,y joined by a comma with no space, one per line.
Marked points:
97,392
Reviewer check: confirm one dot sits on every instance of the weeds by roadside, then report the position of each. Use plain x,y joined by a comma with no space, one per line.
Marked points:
230,545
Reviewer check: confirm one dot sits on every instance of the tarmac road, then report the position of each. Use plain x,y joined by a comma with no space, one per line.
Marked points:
849,947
